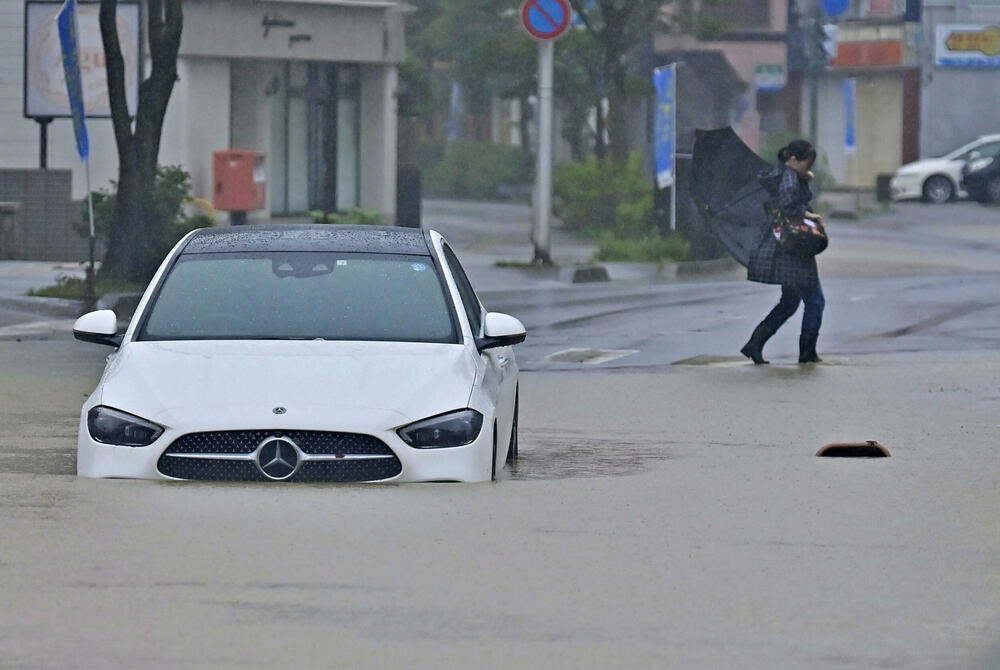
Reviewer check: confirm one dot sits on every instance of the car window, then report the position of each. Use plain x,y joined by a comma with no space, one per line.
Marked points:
301,295
988,149
473,308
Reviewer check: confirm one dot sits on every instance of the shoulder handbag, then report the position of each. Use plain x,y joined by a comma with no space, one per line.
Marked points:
797,236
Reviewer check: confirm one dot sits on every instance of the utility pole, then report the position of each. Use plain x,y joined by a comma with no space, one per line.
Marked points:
816,66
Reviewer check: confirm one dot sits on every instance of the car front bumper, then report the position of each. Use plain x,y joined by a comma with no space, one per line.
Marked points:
906,187
470,463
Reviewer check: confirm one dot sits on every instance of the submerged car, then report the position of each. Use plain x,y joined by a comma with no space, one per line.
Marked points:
937,180
312,353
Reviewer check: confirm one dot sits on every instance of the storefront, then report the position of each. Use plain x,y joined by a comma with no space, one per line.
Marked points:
311,84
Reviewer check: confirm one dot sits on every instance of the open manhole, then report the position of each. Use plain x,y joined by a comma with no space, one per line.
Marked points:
869,449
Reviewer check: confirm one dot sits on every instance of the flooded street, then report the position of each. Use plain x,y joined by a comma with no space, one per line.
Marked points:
674,517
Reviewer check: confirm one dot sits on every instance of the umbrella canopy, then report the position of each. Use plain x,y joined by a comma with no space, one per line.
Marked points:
725,188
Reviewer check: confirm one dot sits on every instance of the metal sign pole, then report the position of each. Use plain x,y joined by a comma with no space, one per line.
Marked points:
673,150
542,236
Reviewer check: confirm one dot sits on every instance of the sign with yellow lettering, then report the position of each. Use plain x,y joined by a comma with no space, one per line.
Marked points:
967,46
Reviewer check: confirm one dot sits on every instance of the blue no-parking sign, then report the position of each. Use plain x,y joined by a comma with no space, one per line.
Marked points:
546,19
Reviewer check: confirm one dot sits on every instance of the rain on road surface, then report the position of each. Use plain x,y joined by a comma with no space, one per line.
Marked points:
660,516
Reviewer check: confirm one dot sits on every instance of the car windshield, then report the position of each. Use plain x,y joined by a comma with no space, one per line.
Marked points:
301,295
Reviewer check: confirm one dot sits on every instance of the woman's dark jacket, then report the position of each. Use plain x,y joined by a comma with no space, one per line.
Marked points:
769,263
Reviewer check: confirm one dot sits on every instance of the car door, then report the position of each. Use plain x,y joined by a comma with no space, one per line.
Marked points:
499,379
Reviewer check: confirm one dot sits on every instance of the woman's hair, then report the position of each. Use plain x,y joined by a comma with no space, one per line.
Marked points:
798,149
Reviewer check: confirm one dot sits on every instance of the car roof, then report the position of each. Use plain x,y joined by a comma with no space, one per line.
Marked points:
308,237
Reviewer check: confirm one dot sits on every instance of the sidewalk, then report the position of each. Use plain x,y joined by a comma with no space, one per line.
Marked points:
23,315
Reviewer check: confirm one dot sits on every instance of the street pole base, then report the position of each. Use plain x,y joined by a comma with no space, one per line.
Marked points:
542,258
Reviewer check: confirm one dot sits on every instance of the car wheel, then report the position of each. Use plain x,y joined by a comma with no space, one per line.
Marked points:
993,189
512,449
493,461
938,189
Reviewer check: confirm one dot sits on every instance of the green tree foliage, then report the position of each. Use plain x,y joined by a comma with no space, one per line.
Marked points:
171,190
618,28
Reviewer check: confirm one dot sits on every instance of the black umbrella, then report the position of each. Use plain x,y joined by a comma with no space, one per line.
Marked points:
725,188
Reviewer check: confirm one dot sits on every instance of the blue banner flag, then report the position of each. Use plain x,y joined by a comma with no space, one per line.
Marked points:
71,66
665,81
850,116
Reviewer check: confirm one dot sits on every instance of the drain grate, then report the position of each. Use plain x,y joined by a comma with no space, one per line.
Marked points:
869,449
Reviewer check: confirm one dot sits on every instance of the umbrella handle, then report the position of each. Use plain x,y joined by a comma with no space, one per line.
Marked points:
743,197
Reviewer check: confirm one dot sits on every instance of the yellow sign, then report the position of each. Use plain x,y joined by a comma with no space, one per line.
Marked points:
986,41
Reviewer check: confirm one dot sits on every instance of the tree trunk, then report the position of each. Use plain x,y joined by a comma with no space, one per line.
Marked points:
133,252
618,121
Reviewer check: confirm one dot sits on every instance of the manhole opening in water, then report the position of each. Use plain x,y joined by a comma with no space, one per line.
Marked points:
869,449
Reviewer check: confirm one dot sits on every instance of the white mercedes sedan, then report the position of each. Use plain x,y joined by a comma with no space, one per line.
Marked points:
318,353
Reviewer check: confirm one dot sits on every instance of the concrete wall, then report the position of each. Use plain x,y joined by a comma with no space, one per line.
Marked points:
235,28
879,117
378,140
42,229
958,104
197,121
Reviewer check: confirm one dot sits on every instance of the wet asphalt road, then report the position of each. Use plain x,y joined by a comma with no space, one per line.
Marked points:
661,515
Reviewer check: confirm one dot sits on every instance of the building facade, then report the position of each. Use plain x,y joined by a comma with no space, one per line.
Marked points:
960,68
746,54
868,115
311,84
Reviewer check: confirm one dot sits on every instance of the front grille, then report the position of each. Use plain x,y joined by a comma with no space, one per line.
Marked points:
326,456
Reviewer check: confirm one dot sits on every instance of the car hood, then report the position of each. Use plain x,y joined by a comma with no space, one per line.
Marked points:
217,385
930,165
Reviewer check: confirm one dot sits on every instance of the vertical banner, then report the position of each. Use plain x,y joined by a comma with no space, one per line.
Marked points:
664,79
850,116
66,20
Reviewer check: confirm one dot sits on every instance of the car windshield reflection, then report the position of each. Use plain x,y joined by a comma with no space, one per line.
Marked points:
301,295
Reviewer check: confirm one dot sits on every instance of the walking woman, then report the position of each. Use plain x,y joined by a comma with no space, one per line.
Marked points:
788,185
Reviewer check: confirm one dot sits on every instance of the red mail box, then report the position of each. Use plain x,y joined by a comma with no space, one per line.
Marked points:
240,181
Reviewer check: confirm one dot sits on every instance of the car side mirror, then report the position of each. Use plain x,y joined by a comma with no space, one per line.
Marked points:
974,155
100,327
500,330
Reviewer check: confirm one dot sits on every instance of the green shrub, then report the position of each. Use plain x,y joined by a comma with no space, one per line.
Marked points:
75,288
650,248
595,195
171,191
352,217
474,170
616,204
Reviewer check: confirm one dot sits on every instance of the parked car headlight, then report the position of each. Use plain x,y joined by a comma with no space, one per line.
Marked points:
112,426
454,429
980,163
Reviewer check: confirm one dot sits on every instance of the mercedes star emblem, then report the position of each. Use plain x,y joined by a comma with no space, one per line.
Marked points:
278,458
279,410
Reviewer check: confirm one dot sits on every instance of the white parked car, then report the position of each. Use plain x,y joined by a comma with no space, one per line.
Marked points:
938,180
307,354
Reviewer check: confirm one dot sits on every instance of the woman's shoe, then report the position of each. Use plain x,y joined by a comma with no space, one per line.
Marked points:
754,349
807,349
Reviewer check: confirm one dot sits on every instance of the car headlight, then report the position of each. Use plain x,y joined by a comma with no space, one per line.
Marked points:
112,426
979,164
454,429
